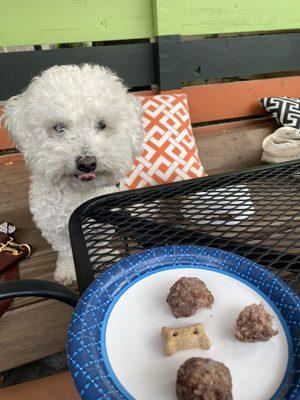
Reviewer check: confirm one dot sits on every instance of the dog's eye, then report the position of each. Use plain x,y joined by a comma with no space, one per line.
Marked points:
101,125
60,127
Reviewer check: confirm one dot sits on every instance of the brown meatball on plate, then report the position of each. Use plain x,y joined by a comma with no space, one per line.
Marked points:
203,379
187,296
187,323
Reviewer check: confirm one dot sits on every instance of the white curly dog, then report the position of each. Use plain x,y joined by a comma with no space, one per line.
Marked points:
79,130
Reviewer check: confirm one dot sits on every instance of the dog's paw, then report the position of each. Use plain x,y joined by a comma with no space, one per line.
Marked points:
65,275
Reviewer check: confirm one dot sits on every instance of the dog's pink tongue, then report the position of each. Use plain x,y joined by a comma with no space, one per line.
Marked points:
89,176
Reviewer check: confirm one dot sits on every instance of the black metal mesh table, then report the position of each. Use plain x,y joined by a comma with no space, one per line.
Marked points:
255,214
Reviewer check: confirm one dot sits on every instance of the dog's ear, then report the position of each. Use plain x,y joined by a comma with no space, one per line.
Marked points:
14,118
135,129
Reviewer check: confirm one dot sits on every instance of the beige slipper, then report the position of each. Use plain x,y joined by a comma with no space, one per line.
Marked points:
282,145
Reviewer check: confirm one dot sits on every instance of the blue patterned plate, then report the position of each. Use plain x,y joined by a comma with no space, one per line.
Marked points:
115,348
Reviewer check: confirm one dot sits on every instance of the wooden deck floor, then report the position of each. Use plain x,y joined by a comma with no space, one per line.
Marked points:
33,328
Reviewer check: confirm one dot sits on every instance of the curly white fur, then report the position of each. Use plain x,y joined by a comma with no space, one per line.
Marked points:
77,97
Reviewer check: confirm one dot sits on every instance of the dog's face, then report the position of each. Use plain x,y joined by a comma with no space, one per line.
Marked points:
76,125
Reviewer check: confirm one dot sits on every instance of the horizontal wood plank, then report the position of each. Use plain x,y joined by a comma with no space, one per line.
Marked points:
46,22
55,387
236,99
37,331
232,146
10,159
194,17
232,100
134,63
239,56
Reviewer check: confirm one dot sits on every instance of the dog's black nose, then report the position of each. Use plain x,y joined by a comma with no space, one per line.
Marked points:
86,163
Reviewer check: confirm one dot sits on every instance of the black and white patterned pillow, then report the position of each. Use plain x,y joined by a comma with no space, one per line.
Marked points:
285,109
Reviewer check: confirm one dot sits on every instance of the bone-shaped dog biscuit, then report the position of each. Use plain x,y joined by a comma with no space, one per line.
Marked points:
189,337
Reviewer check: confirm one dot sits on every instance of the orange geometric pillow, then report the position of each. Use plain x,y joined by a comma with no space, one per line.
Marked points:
170,153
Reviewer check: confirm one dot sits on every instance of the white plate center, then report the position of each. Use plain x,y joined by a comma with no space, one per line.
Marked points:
135,347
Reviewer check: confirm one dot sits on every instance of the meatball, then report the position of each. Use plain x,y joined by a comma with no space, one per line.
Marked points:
254,324
203,379
187,295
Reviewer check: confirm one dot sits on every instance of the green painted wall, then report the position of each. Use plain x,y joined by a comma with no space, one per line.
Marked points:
25,22
192,17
